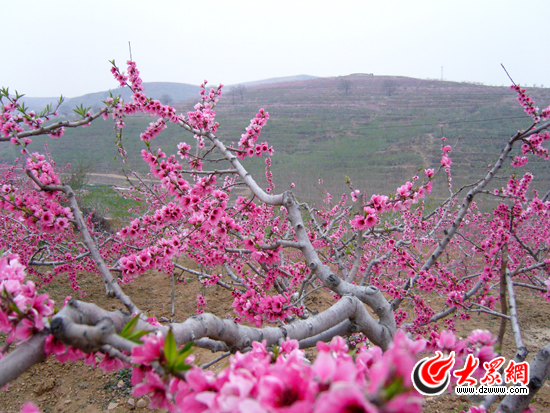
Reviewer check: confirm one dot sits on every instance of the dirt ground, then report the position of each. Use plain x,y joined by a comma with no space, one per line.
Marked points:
68,387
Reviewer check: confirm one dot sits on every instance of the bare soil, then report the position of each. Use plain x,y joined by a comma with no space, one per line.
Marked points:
73,387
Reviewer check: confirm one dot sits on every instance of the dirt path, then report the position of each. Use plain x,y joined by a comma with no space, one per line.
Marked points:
113,179
423,151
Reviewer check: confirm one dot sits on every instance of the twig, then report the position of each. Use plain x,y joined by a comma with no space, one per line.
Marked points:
219,358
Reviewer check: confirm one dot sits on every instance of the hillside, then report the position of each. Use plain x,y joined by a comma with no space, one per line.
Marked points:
170,91
379,132
175,92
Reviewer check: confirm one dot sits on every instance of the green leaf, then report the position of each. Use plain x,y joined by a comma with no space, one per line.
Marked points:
81,110
170,347
23,109
187,347
179,364
276,352
128,331
179,361
394,388
129,327
13,307
136,335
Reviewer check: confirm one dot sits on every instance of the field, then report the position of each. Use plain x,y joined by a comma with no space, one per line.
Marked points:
378,139
72,387
378,134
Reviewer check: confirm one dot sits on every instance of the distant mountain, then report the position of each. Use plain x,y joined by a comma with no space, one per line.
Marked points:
170,91
277,80
377,130
37,104
164,91
174,92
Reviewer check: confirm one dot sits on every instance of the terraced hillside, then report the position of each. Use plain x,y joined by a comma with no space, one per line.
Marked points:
379,131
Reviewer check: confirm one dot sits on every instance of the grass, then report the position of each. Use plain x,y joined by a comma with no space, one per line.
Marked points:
105,198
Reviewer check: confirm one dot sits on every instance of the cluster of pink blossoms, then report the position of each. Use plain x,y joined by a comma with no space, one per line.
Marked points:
21,308
265,256
201,304
64,353
365,220
247,143
479,343
534,145
261,381
141,103
203,118
405,196
42,169
36,209
153,130
520,161
10,122
528,105
256,306
153,257
518,188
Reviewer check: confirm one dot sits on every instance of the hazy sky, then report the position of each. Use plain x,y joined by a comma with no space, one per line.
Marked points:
62,47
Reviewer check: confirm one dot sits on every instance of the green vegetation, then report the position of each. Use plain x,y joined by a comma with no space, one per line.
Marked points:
106,202
316,129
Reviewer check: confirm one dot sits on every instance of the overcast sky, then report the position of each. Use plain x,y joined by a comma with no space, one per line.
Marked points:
62,47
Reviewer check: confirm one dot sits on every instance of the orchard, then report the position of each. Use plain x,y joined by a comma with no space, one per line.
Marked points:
380,256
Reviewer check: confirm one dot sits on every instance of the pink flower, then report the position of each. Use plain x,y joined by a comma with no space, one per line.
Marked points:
287,388
446,340
482,336
232,394
379,203
403,191
143,259
429,186
154,384
30,407
201,380
337,345
362,222
53,345
330,370
370,220
152,349
201,303
343,398
110,364
289,345
446,161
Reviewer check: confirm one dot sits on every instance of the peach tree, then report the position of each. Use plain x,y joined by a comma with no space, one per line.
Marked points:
379,254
